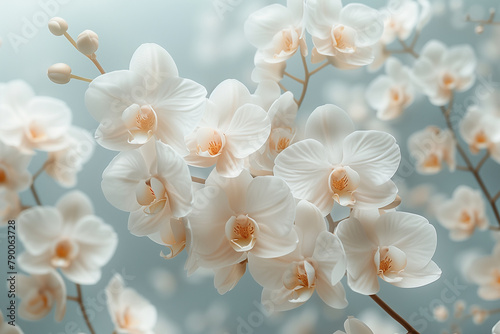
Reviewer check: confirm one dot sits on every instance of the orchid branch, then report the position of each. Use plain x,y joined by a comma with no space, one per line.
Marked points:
482,23
462,168
474,170
35,176
198,180
305,82
496,197
294,78
394,314
79,300
409,49
93,57
35,195
483,160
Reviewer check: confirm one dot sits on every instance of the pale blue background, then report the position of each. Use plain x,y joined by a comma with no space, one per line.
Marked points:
209,49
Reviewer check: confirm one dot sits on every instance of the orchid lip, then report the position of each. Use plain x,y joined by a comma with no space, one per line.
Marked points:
141,123
242,232
210,142
343,38
300,279
64,253
343,182
390,262
152,195
280,139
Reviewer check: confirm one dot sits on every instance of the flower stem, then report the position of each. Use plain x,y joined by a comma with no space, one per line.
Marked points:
394,314
307,76
489,21
35,176
294,78
79,300
474,170
198,180
35,195
305,81
92,57
409,49
483,160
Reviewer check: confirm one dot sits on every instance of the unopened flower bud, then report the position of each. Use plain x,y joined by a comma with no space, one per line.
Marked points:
459,306
479,29
58,26
479,315
59,73
87,42
440,313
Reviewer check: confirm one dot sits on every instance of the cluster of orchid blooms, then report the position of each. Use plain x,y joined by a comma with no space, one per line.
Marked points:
267,203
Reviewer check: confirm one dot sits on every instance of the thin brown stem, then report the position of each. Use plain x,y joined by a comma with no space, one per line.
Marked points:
394,314
414,41
409,48
70,39
463,168
40,171
76,77
496,197
198,180
316,70
306,80
79,300
72,298
93,58
35,195
446,113
489,21
494,311
483,160
294,77
282,87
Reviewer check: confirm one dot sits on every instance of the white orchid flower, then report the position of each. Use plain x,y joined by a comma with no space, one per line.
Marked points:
338,164
68,237
148,101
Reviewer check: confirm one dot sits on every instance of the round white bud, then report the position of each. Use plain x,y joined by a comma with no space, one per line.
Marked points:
59,73
58,26
87,42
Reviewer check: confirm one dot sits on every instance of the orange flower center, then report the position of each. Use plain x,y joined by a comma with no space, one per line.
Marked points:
214,147
341,183
432,161
146,118
386,264
64,252
481,138
3,176
282,144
